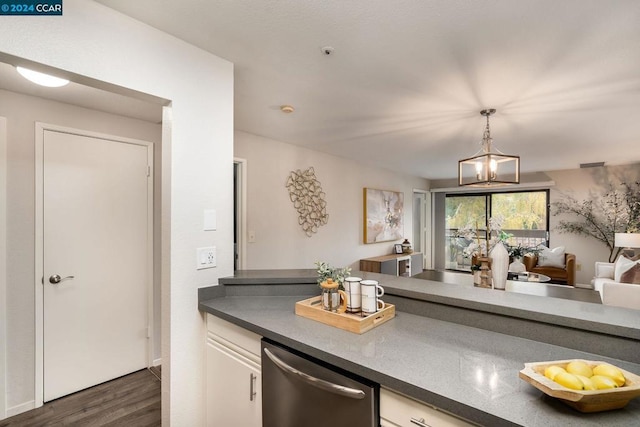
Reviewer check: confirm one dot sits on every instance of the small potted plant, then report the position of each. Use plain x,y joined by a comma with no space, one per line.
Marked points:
517,252
325,271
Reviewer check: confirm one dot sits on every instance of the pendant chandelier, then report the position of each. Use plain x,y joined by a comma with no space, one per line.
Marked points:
489,167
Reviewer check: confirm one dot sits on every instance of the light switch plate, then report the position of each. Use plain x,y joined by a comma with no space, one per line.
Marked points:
210,220
205,257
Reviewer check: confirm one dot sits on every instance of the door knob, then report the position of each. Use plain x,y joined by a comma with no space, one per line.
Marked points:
55,279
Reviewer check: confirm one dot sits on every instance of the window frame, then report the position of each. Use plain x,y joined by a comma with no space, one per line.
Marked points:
489,208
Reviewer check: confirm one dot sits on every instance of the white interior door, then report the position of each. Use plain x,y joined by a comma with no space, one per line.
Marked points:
95,237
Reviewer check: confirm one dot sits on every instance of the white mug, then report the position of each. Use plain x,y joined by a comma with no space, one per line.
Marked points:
371,292
354,297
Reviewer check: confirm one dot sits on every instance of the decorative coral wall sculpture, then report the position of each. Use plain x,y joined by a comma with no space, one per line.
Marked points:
305,192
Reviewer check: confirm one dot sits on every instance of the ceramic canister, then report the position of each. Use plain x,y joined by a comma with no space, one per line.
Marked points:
354,297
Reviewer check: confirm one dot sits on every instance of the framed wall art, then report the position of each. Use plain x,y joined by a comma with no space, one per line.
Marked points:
383,215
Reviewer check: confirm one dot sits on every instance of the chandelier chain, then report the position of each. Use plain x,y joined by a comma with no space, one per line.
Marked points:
486,137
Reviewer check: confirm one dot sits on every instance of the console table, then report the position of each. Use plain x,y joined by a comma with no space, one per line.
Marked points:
396,264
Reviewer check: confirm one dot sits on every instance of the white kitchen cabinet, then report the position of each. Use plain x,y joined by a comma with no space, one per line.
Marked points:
233,383
399,411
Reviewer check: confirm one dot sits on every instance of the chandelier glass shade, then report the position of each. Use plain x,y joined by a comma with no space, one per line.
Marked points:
489,166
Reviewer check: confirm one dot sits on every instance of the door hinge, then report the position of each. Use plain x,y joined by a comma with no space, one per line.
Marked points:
148,331
148,170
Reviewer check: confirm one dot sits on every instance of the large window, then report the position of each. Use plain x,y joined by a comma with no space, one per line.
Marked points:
525,213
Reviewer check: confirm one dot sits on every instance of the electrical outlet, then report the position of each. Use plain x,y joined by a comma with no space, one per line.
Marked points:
252,236
578,266
205,257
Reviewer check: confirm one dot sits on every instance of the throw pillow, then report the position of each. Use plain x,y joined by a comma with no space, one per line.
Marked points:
632,275
604,270
621,266
551,257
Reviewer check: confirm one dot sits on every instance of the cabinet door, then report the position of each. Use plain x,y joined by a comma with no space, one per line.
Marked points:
399,411
234,388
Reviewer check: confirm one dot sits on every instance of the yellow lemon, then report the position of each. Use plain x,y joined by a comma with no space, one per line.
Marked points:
587,384
601,382
553,370
569,381
578,367
611,372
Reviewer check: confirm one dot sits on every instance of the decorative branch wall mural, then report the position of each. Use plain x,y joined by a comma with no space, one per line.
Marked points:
305,192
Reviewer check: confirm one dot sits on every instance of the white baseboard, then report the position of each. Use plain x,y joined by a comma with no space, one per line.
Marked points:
24,407
157,362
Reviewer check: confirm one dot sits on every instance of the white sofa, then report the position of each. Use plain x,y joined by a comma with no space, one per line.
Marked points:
614,293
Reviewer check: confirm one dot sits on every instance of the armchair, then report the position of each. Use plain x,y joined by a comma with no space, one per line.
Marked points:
566,275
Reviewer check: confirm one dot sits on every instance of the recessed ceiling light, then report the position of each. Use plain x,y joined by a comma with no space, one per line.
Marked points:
42,79
286,109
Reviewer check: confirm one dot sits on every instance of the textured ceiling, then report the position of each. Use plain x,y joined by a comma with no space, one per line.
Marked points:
407,78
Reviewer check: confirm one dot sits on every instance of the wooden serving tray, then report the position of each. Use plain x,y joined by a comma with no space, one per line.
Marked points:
582,400
312,309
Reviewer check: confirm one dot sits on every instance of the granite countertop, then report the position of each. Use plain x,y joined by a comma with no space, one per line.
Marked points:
464,370
600,318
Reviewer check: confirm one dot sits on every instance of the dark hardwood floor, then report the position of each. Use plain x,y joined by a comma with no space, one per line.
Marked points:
132,400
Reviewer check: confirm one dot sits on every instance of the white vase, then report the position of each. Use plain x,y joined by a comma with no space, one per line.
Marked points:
517,266
476,277
499,265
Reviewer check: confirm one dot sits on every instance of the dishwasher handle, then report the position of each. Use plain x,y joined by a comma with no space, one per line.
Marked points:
316,382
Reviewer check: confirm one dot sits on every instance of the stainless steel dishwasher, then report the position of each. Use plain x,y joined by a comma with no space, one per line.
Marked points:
300,392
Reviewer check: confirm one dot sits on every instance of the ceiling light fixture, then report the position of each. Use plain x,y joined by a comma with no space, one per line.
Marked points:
41,79
286,109
489,166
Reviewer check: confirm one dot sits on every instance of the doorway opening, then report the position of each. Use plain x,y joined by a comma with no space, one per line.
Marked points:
135,113
422,226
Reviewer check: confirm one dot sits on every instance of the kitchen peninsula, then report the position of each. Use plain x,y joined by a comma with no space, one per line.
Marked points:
455,347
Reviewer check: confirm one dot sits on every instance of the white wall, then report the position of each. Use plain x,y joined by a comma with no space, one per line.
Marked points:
95,41
280,241
3,262
580,183
22,112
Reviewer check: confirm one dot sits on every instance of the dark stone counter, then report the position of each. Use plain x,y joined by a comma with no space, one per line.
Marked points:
451,346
